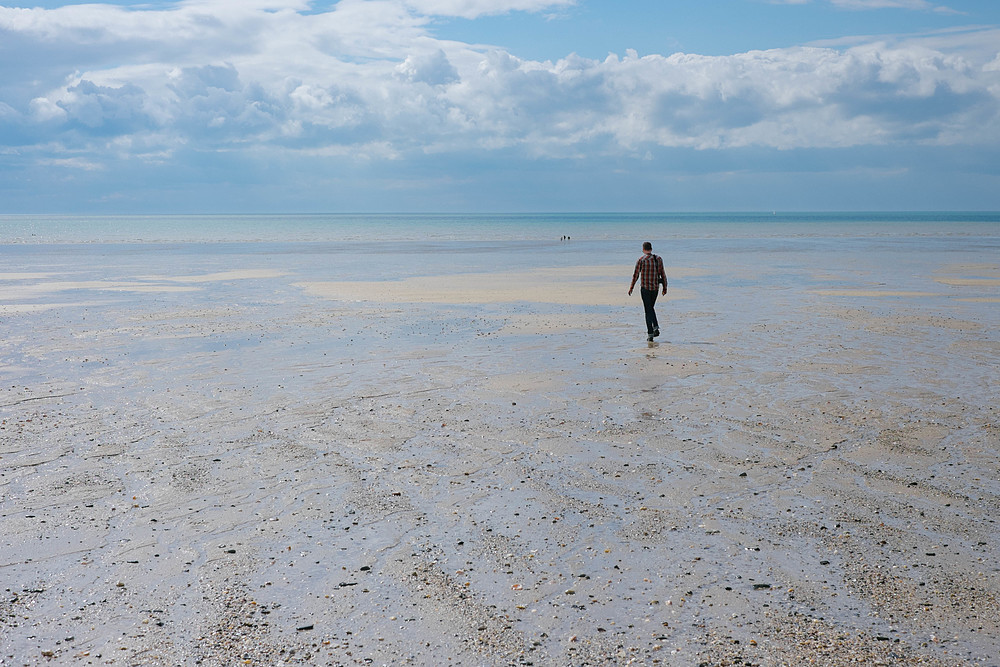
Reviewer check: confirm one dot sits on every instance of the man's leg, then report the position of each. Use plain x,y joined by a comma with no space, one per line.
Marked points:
648,301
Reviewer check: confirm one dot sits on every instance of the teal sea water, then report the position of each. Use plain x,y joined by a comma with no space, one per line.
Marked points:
488,228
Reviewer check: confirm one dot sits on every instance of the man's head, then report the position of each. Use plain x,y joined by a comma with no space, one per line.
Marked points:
647,247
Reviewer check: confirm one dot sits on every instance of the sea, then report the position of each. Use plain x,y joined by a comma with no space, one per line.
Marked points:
521,227
397,246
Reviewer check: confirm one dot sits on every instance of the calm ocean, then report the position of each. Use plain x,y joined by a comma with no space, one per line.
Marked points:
632,227
785,249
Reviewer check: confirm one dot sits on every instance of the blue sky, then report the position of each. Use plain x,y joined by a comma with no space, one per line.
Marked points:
236,106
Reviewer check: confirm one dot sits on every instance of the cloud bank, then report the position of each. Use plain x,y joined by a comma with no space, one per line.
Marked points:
366,81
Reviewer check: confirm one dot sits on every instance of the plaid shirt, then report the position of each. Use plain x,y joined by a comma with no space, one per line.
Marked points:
650,267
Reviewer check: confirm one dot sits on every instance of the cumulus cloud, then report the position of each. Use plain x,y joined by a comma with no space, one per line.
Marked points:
471,9
433,68
369,78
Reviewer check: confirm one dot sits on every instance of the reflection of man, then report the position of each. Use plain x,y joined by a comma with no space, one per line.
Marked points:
650,268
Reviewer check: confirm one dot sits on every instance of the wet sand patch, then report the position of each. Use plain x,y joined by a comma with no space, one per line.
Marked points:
969,282
25,276
873,293
35,290
222,276
575,286
20,308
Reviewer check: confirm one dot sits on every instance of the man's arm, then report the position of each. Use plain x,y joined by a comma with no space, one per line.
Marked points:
635,276
663,275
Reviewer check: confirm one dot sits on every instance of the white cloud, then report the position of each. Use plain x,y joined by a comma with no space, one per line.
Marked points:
43,109
81,164
471,9
432,68
368,78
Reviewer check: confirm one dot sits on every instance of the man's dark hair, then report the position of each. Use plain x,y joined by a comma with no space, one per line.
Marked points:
647,245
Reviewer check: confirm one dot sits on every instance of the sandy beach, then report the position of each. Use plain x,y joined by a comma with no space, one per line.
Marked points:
237,458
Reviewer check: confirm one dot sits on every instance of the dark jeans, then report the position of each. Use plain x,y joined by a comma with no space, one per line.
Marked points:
648,299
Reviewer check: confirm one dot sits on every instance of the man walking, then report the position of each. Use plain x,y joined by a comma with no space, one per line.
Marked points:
650,267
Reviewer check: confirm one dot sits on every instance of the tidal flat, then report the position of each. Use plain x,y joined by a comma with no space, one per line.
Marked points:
265,453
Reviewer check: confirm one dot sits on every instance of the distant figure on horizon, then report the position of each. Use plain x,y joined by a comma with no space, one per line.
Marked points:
650,268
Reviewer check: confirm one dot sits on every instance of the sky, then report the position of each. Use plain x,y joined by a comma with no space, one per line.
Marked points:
329,106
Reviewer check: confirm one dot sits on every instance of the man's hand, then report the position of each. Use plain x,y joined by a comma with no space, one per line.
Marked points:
664,290
630,291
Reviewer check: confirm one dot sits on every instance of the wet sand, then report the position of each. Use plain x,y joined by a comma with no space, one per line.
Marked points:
257,464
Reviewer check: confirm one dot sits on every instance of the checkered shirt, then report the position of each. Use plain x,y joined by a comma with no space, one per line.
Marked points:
650,268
